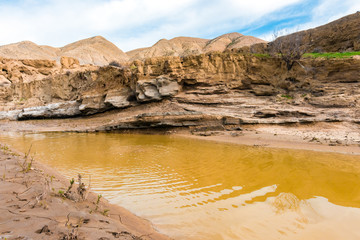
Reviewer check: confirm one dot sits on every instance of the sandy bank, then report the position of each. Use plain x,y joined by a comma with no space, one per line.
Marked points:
340,137
31,208
325,137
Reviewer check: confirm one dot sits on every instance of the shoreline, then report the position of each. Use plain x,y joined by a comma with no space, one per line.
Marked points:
282,141
337,137
30,197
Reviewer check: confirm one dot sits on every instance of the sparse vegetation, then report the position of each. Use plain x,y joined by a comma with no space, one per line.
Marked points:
79,195
331,55
289,49
287,96
26,165
98,202
261,55
105,212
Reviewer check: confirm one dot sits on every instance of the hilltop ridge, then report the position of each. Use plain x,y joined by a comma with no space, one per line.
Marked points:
95,50
99,51
186,46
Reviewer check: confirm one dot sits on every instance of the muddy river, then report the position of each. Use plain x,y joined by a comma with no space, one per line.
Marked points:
192,189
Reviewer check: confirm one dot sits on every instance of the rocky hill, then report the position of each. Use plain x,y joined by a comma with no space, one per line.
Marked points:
28,50
337,36
178,46
186,46
96,50
99,51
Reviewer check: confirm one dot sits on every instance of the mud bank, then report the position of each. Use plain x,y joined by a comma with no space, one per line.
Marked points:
33,206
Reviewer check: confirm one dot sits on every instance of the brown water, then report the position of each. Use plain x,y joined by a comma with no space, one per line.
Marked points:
193,189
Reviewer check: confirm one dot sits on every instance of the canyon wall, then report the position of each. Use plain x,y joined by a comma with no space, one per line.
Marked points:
224,88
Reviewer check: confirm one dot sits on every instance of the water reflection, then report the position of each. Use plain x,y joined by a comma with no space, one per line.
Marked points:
201,190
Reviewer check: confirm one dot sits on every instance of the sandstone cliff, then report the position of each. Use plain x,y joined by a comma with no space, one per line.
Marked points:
215,89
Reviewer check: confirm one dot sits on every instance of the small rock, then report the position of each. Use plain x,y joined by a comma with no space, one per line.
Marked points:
234,134
45,229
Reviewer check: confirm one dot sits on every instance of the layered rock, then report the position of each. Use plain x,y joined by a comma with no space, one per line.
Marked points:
219,90
156,89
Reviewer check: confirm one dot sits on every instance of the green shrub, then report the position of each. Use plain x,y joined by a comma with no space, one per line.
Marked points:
331,55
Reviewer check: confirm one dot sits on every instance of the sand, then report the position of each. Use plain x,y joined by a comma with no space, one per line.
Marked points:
31,207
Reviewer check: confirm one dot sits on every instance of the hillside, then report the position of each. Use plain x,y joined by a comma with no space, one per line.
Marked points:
179,46
28,50
337,36
96,50
99,51
185,46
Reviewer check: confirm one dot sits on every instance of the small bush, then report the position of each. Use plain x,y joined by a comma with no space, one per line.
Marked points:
287,96
115,64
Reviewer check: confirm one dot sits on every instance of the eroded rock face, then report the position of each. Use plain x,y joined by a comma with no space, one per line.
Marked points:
224,89
156,89
120,98
4,82
167,87
69,62
146,90
54,110
93,104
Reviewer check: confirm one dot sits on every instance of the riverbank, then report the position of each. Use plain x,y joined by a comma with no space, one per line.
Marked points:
36,198
339,137
36,203
324,137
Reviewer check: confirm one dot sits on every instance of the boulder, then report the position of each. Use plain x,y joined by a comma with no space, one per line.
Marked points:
92,104
156,89
11,115
146,90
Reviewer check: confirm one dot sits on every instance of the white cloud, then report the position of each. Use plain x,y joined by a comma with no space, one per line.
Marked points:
130,23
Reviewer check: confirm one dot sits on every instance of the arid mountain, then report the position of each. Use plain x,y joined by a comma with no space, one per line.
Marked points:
96,50
185,46
231,41
99,51
337,36
179,46
28,50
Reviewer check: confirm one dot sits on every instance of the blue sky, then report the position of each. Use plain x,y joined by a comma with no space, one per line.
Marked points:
132,24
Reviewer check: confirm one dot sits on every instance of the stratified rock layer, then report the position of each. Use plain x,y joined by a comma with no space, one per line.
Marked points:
216,89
